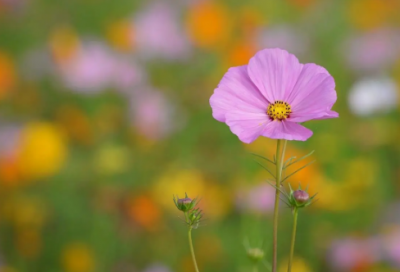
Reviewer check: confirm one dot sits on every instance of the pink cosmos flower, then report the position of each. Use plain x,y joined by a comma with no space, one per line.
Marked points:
271,95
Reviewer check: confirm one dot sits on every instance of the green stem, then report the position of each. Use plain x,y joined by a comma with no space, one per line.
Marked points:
295,213
280,154
192,250
255,268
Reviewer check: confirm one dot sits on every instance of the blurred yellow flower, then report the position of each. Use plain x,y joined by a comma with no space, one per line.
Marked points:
78,257
208,24
112,159
42,150
369,14
178,182
7,74
216,201
120,34
263,146
298,265
64,43
359,179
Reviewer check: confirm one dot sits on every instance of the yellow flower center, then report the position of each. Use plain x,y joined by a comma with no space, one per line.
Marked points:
279,110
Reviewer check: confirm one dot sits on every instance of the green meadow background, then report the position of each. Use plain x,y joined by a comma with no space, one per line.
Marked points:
104,116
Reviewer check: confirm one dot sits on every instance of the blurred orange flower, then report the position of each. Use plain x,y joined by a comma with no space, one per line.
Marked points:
240,54
120,34
145,212
208,24
7,74
9,171
369,14
78,257
64,43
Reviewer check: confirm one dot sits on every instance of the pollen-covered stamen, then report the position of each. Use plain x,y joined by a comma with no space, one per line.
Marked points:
279,110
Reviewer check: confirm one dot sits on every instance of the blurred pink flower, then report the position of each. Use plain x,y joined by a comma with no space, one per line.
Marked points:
372,51
391,246
271,95
350,253
127,74
9,138
285,37
258,199
154,116
91,70
158,33
95,68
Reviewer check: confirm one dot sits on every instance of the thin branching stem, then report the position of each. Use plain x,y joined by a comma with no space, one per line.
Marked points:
301,168
264,158
299,159
266,169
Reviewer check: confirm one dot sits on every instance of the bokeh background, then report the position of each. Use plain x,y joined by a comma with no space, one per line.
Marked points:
104,115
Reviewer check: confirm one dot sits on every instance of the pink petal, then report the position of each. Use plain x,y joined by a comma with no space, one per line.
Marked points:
286,130
274,72
327,115
236,92
247,126
313,95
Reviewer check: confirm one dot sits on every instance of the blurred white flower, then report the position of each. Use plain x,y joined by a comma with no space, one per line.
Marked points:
373,95
157,33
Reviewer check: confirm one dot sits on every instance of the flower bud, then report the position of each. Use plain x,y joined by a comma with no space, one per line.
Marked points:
185,204
184,201
301,196
255,254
